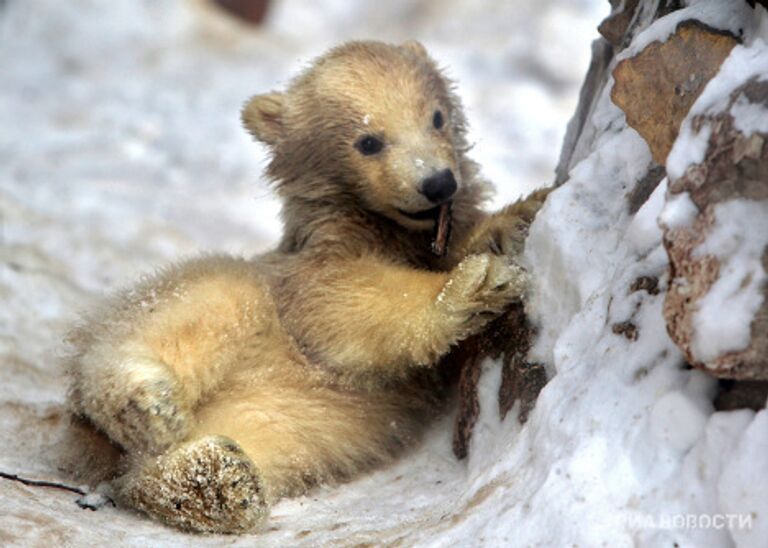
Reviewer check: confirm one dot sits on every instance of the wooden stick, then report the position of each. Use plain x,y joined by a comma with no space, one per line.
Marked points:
442,230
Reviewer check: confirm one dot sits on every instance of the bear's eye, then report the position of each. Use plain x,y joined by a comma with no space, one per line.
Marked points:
437,119
369,145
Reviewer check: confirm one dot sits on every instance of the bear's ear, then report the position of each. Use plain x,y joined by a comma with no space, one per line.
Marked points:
415,47
262,116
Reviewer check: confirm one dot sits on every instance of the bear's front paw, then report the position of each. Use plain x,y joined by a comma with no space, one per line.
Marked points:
208,485
479,289
500,234
151,414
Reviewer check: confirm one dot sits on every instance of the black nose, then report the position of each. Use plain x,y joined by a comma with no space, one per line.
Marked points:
439,187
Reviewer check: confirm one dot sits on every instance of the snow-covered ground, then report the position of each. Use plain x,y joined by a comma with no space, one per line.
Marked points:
121,149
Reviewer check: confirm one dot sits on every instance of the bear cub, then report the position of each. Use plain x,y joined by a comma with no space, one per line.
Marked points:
229,383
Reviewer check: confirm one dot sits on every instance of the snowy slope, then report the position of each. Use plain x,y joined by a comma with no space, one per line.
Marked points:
122,150
646,459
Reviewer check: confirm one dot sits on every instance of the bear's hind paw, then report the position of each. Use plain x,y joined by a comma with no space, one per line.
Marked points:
208,485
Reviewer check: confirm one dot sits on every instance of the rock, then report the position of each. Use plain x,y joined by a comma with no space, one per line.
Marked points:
716,307
649,284
626,329
509,338
614,27
741,395
645,187
578,135
468,357
657,87
521,379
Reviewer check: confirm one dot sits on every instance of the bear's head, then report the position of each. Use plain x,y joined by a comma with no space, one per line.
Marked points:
372,121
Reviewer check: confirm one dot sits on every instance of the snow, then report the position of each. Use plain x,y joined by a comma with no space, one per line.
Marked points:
126,152
644,230
93,501
678,420
749,117
679,211
722,323
742,492
691,151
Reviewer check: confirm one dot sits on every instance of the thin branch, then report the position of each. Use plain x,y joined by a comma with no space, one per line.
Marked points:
42,483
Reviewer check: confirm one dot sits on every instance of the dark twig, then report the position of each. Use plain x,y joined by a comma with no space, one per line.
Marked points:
85,501
42,483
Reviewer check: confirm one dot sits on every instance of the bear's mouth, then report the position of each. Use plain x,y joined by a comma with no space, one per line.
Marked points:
422,215
442,217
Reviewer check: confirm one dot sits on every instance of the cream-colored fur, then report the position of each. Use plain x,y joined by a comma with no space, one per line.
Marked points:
230,383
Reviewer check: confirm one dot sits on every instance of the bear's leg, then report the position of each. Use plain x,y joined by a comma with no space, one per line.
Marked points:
135,400
300,434
207,485
271,433
148,358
